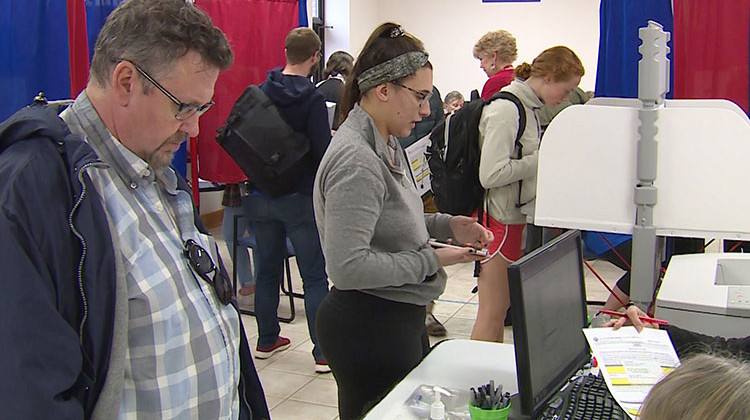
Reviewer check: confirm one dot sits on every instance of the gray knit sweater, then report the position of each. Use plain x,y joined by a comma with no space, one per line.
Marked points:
370,218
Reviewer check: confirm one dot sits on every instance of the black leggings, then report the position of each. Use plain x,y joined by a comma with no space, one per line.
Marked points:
370,344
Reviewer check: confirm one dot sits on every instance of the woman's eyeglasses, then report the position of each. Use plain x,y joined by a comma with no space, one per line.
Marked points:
201,262
422,97
184,111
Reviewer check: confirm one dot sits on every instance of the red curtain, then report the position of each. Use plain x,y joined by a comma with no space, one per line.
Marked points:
79,46
256,30
711,50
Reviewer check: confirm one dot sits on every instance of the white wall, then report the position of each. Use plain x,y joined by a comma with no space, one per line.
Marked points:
211,201
365,17
350,22
450,28
337,26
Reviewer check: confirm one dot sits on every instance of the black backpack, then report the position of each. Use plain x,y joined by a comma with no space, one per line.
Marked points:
266,148
453,156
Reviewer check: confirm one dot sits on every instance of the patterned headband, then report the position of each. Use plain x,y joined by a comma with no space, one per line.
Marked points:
401,66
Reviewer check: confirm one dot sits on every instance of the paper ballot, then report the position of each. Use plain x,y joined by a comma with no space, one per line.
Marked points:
632,362
418,167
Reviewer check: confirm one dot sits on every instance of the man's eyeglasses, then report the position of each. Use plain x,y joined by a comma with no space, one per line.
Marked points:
422,97
184,111
201,262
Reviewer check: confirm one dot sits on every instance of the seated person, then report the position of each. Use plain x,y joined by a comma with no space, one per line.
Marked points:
684,341
704,387
616,248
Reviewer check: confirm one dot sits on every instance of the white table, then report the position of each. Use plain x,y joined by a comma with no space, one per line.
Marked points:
458,364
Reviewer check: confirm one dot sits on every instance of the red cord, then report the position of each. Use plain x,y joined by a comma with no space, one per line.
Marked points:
612,247
735,246
603,282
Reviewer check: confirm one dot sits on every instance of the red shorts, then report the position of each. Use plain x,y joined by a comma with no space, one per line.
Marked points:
508,239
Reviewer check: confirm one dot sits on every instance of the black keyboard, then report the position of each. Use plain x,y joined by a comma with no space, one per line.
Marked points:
585,398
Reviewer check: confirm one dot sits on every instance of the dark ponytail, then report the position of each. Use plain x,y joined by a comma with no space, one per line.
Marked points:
340,62
387,41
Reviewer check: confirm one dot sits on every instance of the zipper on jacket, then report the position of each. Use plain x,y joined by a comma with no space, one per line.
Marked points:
244,393
84,248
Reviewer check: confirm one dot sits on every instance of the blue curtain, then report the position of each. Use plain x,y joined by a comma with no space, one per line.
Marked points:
303,20
617,72
96,14
33,52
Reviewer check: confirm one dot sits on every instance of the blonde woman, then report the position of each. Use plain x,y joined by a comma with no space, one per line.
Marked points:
704,387
496,52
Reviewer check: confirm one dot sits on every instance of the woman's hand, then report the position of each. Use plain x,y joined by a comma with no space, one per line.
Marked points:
633,318
450,256
468,232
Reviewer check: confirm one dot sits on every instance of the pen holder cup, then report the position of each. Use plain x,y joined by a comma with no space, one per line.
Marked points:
478,413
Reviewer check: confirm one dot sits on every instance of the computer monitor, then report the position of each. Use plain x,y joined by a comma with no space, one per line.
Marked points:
548,301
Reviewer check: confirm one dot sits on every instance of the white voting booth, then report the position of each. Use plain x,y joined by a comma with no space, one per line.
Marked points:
591,161
587,165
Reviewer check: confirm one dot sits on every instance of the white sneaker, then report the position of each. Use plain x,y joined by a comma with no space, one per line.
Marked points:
321,366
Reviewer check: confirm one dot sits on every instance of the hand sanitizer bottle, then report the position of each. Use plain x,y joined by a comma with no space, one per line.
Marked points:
437,409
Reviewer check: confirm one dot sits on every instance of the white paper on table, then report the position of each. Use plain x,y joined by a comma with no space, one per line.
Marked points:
418,167
632,362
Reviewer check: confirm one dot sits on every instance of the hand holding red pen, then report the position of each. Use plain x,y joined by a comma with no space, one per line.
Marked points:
635,316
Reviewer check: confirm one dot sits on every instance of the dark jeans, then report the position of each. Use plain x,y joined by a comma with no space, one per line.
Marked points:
371,344
273,219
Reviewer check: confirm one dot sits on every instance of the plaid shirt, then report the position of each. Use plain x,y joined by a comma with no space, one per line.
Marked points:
182,358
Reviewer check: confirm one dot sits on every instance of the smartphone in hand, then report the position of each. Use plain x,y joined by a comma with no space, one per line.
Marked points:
437,244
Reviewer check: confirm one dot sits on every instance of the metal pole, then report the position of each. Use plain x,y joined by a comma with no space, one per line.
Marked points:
653,84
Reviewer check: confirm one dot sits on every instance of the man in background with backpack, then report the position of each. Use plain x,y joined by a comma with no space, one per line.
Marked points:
274,218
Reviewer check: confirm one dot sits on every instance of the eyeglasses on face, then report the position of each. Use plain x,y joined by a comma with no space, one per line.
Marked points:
201,262
422,97
184,111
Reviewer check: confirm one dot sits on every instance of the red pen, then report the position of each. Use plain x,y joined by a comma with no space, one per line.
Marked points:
642,318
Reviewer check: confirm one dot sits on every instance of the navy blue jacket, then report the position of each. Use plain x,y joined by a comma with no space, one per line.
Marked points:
56,301
57,284
304,109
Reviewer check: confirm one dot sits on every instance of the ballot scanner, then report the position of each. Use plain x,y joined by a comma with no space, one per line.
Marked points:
707,293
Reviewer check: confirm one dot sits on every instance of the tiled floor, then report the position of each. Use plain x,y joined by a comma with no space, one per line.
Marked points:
294,391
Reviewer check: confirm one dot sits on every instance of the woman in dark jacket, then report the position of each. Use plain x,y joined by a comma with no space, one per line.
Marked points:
338,68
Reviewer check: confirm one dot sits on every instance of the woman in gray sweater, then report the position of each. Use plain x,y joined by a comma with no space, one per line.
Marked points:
373,229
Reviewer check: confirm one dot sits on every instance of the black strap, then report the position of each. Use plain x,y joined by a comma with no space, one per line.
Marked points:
521,128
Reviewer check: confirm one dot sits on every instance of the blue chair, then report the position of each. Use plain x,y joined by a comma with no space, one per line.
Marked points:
248,241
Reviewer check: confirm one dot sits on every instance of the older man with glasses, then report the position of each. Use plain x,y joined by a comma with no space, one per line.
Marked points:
119,303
